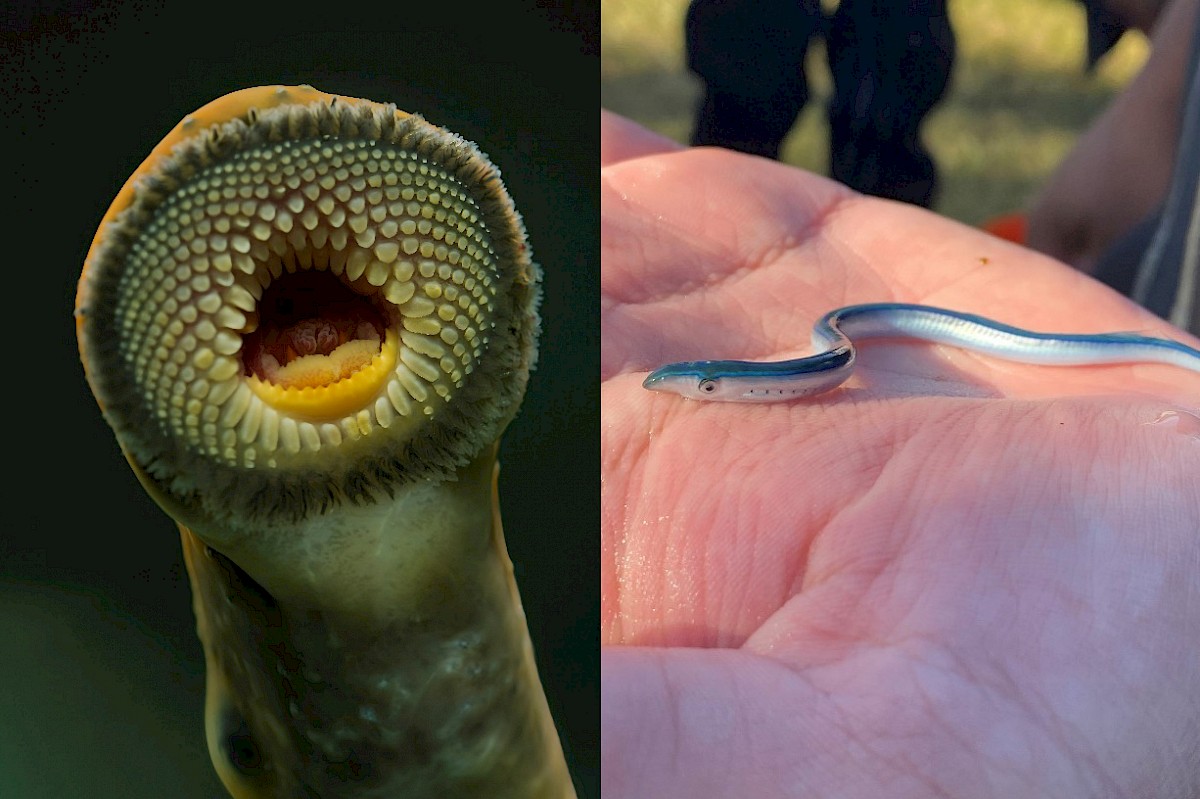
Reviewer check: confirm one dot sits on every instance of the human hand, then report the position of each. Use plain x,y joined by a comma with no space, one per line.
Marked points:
955,576
1119,170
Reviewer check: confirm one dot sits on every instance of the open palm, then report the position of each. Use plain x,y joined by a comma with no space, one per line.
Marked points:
953,576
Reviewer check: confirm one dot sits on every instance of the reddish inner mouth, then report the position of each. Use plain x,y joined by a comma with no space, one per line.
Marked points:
311,313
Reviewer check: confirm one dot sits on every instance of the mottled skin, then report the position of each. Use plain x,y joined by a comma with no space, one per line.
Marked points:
408,687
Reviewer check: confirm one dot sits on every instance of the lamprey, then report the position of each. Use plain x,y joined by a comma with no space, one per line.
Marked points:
308,319
833,340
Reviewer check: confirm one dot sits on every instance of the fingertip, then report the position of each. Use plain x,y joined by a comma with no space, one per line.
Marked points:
622,139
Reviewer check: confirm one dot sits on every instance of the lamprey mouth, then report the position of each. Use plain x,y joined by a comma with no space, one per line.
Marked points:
308,319
298,283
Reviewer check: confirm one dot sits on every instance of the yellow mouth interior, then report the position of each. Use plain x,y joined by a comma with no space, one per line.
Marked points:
318,350
322,387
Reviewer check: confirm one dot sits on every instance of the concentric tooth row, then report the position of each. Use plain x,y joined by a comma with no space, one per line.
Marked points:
387,223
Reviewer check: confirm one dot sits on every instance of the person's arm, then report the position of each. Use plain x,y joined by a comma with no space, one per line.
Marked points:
1119,170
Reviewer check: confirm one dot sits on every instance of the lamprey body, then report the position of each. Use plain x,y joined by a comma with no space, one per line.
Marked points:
835,334
308,319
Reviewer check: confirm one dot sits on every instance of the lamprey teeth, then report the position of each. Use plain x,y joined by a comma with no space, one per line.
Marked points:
264,241
398,242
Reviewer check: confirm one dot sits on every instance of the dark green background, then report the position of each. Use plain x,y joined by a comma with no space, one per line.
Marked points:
101,670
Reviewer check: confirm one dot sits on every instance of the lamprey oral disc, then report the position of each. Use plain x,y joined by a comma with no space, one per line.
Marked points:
308,319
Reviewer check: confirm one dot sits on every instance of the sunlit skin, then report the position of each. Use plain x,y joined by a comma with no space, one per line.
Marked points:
954,576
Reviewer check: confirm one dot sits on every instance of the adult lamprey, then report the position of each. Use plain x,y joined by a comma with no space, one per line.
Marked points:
835,334
308,319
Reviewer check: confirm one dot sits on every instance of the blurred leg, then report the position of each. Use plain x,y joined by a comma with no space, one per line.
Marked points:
891,63
750,56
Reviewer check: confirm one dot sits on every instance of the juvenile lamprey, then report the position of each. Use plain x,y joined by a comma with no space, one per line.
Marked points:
308,319
835,334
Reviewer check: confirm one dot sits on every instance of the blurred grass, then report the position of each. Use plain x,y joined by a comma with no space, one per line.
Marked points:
1018,99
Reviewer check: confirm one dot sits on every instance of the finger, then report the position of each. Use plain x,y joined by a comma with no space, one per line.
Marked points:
621,139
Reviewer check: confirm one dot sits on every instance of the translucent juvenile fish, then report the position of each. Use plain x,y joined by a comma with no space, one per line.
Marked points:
308,319
835,334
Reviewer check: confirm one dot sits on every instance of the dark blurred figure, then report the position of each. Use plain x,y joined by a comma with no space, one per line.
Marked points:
750,56
891,62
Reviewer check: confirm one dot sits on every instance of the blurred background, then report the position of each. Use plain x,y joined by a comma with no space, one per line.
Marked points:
1019,94
101,667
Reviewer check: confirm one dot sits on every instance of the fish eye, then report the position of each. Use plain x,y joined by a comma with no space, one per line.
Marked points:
707,385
